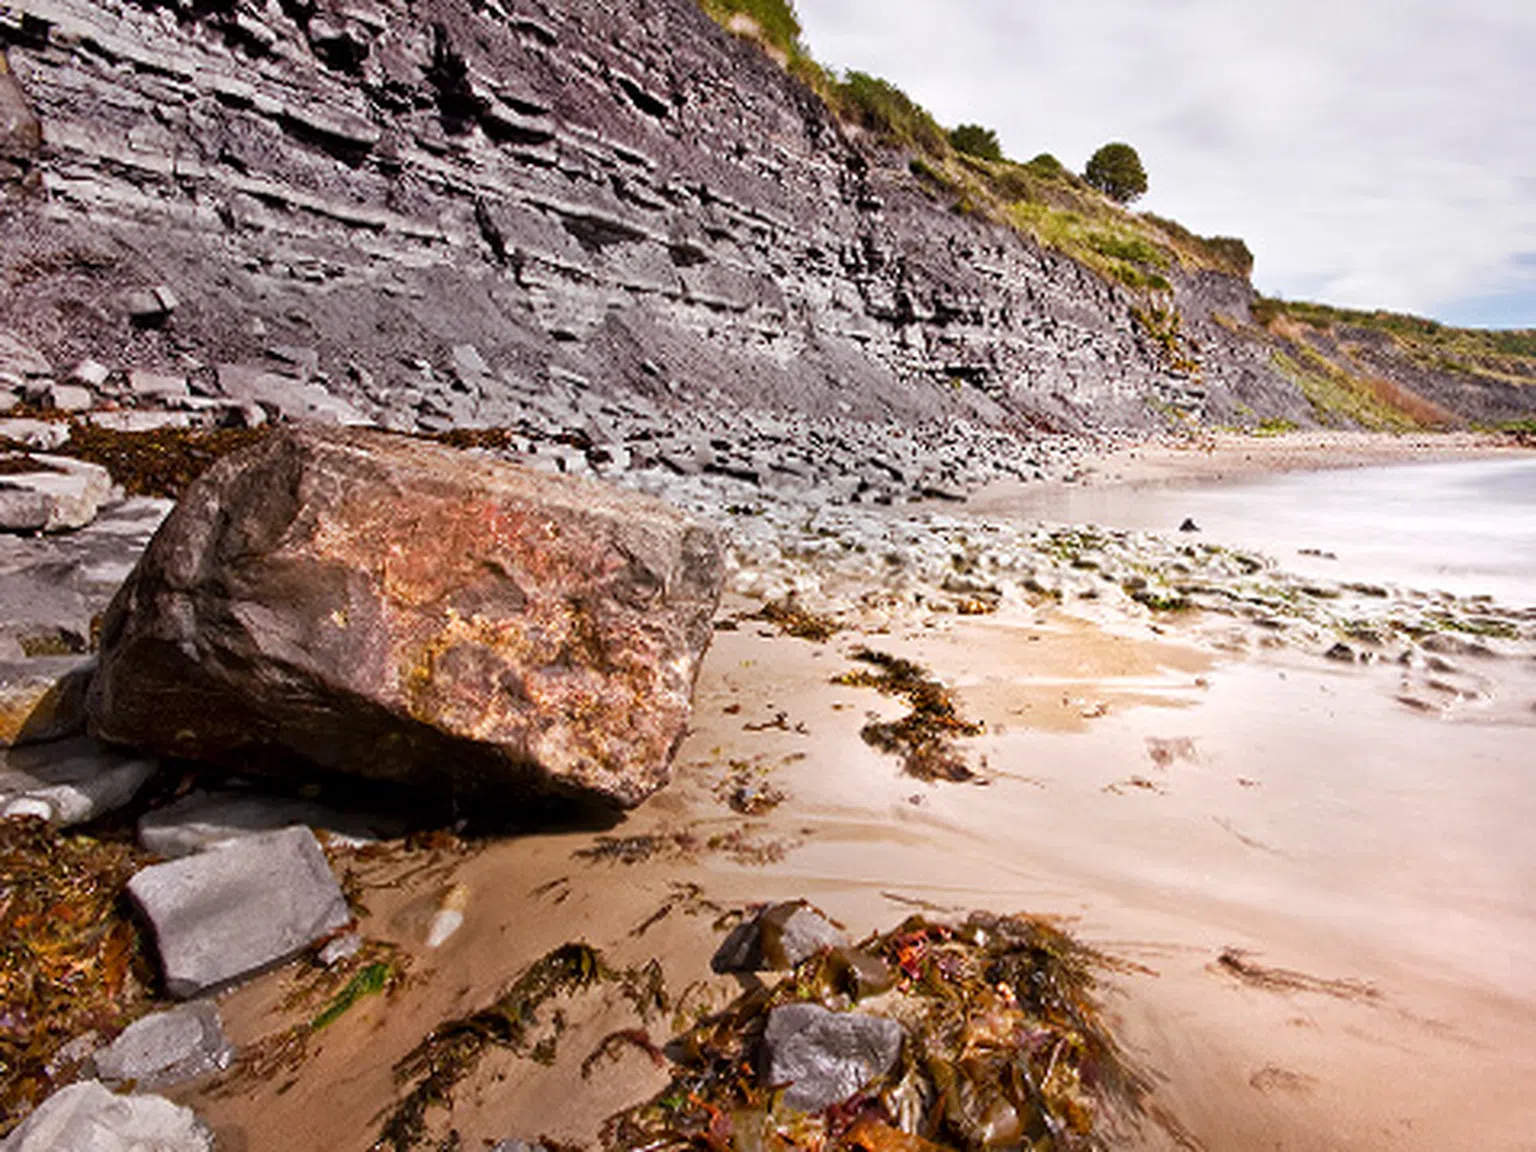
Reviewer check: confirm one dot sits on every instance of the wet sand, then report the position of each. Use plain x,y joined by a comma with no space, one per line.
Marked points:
1363,866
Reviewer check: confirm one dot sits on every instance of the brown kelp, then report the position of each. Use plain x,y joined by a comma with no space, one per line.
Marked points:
453,1049
71,958
924,739
1004,1047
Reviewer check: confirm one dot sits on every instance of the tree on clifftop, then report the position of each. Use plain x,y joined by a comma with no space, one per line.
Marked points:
976,141
1116,171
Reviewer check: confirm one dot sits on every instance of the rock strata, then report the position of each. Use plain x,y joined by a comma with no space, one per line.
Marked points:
384,607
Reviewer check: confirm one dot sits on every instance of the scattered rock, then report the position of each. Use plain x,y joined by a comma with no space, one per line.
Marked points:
86,1117
382,606
60,495
131,421
1341,652
54,397
91,373
156,385
343,947
777,938
43,698
202,820
1189,525
286,396
257,901
44,435
149,307
166,1048
825,1057
69,782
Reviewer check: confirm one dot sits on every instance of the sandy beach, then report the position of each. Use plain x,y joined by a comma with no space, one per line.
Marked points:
1318,882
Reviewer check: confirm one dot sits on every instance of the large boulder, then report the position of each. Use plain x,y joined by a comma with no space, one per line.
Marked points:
390,608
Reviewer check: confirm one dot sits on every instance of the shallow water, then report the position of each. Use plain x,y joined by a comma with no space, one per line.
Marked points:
1467,527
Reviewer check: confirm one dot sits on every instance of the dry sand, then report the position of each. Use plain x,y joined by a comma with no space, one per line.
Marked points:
1365,868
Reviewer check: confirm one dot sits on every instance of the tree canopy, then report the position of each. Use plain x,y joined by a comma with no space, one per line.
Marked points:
975,140
1116,171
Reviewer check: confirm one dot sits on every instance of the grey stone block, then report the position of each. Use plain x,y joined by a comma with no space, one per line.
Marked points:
152,385
69,782
41,434
167,1048
86,1117
22,359
201,820
778,937
61,495
221,915
825,1057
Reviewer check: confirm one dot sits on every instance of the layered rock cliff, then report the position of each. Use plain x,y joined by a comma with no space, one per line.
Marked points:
615,195
590,197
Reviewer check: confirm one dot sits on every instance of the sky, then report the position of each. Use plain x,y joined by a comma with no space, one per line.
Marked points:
1373,153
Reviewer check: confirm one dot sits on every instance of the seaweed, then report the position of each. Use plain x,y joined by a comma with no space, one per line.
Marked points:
376,968
162,462
790,618
454,1049
924,739
1004,1046
72,960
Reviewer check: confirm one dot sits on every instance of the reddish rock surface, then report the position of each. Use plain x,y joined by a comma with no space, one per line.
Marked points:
384,607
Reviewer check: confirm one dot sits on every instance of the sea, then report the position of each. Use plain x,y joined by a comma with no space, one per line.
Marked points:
1463,527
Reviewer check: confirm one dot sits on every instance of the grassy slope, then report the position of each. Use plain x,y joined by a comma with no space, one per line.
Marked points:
1311,344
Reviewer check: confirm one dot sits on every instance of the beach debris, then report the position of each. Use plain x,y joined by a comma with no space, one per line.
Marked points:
779,937
924,739
87,1116
821,1058
998,1043
161,462
449,917
325,993
746,789
385,607
166,1048
512,1021
1240,964
253,903
1164,752
72,961
792,619
69,782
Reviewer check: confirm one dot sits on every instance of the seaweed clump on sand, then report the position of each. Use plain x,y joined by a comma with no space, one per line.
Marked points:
162,462
454,1049
1003,1046
787,615
924,739
71,959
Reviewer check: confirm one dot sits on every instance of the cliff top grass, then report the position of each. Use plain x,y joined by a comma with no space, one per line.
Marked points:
1507,356
1041,197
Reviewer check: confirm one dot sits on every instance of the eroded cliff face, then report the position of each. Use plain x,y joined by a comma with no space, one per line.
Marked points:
612,196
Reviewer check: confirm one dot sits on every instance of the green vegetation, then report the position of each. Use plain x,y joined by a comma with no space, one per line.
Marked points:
879,107
974,140
1339,398
1116,171
775,21
1507,357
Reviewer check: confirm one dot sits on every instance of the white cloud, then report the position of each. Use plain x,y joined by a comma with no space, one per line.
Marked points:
1376,153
